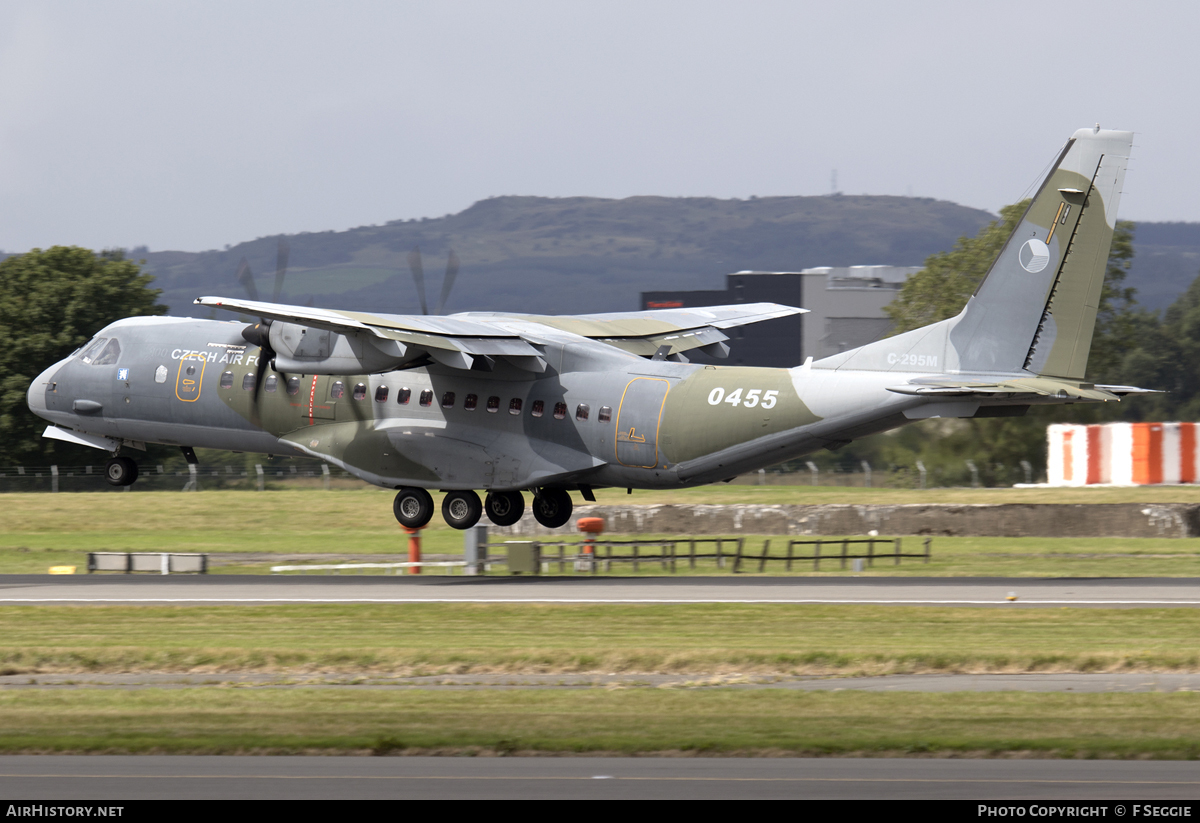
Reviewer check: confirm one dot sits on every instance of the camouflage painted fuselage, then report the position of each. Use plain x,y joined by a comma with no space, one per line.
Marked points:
506,402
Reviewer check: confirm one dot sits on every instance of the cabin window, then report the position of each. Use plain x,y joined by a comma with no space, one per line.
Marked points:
92,349
293,385
514,406
493,404
427,397
248,381
605,414
226,380
337,390
403,396
470,402
360,391
381,394
581,411
448,400
272,383
110,354
539,408
560,411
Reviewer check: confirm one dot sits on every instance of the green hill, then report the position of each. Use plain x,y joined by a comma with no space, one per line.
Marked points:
576,254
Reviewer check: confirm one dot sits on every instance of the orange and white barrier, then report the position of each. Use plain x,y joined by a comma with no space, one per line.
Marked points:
1122,454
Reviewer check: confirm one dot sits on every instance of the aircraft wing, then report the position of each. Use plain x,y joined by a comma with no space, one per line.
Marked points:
1016,388
453,339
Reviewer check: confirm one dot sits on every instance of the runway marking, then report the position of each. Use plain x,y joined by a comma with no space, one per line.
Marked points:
997,601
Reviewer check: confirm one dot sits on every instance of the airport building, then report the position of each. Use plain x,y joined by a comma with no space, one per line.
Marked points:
845,305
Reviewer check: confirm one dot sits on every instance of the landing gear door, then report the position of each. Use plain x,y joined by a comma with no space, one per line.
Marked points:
638,419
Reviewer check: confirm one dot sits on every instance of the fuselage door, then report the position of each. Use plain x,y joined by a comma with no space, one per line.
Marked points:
318,397
638,419
189,379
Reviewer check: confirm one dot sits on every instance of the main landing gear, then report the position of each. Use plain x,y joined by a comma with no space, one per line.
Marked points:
462,509
120,471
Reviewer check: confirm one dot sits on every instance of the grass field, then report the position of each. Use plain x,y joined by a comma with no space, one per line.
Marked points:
42,530
630,721
299,642
434,638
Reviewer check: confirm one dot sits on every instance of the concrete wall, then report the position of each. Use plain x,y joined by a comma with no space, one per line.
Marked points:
950,520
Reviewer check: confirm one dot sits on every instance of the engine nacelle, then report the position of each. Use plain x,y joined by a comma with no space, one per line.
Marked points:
308,350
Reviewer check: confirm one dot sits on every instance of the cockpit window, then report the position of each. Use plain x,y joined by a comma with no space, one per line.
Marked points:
92,349
110,354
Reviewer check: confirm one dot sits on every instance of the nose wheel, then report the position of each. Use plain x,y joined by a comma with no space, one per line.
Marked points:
552,508
461,509
413,508
504,508
120,471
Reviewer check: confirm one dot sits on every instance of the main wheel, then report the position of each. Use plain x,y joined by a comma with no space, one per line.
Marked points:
413,508
504,508
121,471
461,509
552,508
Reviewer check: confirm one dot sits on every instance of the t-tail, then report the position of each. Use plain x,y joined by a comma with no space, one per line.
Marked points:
1034,313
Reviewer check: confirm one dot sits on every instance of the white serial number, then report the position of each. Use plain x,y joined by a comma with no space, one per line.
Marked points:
754,397
921,360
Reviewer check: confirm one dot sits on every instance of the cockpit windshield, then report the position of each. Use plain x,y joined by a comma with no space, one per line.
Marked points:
92,349
97,353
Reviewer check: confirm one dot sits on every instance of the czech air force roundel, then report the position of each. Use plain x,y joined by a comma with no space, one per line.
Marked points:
1034,255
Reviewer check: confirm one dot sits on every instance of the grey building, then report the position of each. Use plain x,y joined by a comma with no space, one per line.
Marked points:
845,305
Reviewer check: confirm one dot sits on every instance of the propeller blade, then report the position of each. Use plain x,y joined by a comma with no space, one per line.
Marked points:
448,280
418,273
246,278
281,263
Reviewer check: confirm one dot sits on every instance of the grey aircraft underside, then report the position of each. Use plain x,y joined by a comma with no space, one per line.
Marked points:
508,403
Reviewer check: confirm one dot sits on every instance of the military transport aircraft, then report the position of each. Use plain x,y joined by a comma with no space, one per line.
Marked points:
509,403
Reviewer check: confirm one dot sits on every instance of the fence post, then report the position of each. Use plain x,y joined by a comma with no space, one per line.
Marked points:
762,563
871,552
974,474
193,484
817,557
325,475
789,554
691,553
1028,471
896,546
259,472
475,550
635,557
812,467
54,478
867,471
928,547
737,558
921,470
845,549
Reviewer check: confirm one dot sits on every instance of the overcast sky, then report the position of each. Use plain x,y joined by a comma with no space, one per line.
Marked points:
183,125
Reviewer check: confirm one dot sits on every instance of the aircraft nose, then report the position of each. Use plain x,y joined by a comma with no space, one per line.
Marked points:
36,396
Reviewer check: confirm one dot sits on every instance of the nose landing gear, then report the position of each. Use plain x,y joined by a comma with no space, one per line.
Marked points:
120,471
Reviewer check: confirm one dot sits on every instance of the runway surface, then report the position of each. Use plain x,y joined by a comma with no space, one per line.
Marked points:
928,591
55,777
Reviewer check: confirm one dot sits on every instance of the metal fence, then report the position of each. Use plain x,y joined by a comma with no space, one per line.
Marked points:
190,477
725,552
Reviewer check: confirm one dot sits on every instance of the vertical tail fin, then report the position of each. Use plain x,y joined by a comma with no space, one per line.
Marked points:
1035,311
